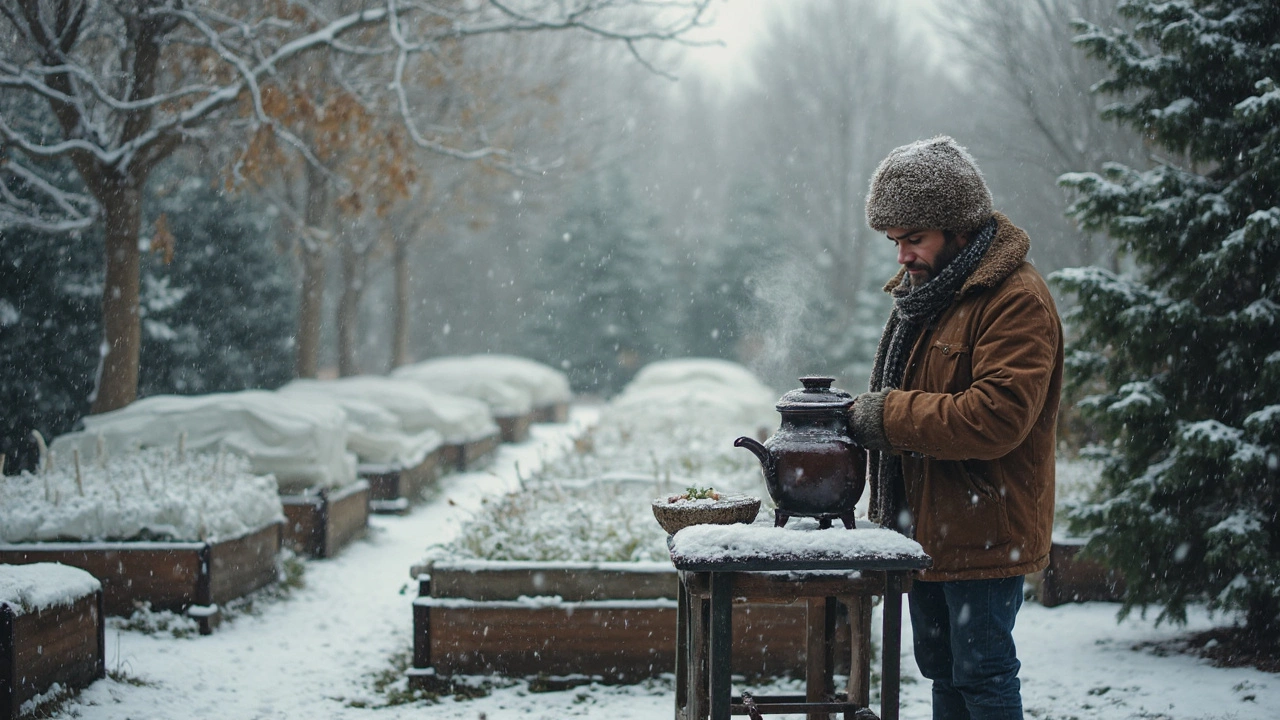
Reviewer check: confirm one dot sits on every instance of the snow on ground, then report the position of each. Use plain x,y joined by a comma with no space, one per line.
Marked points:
319,653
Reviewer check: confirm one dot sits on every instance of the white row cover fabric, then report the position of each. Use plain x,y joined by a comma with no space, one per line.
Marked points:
511,386
416,409
545,385
375,434
707,392
301,441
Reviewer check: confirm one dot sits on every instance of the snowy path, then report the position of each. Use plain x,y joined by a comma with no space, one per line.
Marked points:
315,654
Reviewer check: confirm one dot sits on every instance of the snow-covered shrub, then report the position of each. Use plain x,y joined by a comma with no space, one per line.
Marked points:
147,495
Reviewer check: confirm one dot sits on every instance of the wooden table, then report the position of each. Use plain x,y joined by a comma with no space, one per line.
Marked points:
717,564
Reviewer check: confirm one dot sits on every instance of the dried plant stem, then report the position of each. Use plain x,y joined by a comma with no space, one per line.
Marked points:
44,450
75,456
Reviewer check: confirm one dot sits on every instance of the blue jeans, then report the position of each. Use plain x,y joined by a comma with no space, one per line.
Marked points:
963,639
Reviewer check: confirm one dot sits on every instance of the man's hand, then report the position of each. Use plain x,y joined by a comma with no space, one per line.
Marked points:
866,421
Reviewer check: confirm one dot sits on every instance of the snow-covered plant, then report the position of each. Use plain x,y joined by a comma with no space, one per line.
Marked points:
593,504
565,522
1186,348
147,495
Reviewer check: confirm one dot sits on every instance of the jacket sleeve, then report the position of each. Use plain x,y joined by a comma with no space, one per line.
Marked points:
1014,355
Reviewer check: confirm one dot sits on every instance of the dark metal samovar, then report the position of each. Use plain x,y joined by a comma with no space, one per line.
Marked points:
812,467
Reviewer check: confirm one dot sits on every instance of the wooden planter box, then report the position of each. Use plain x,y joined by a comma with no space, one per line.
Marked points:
176,576
555,413
393,490
514,428
1071,579
470,455
614,621
321,524
61,644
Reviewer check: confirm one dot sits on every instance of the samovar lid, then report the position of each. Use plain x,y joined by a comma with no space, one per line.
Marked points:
816,395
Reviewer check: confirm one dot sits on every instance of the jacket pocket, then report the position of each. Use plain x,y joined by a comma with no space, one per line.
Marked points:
972,515
951,366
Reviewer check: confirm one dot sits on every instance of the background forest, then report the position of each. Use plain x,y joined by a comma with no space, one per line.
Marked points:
610,210
282,191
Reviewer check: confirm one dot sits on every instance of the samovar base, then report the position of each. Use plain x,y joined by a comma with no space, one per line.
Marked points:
780,518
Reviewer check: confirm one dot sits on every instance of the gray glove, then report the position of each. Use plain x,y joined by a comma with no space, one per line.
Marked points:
866,421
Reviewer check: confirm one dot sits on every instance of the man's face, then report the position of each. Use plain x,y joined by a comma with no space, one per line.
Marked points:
924,253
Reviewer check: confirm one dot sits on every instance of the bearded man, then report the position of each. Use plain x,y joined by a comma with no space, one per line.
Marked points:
960,419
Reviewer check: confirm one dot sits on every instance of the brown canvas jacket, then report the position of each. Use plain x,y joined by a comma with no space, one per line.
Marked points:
976,420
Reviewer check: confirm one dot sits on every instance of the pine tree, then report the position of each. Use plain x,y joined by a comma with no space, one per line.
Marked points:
50,330
1183,352
603,290
721,297
220,315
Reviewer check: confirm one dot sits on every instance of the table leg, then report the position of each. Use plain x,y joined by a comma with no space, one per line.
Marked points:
820,618
682,649
699,620
892,652
721,632
859,687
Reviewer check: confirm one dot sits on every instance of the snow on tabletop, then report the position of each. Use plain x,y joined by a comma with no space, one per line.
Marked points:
460,378
301,441
544,384
39,586
416,407
741,542
148,495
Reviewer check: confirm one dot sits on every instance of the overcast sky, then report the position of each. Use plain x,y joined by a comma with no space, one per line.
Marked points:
739,24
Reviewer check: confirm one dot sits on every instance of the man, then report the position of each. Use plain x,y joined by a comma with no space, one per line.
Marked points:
960,419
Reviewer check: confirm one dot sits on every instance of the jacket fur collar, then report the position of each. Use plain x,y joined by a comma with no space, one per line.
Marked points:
1008,251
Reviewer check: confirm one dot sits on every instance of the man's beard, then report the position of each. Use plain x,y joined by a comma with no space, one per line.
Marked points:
949,252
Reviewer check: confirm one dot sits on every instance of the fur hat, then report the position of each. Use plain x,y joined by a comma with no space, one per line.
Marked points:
929,184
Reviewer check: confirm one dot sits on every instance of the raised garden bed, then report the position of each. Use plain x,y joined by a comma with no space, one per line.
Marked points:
320,524
50,647
1070,578
552,413
393,489
196,577
471,454
613,620
514,428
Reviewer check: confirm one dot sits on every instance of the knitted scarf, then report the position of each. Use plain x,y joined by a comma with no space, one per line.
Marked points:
914,309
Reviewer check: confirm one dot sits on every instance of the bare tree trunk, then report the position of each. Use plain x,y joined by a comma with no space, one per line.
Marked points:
400,330
354,261
117,384
312,301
